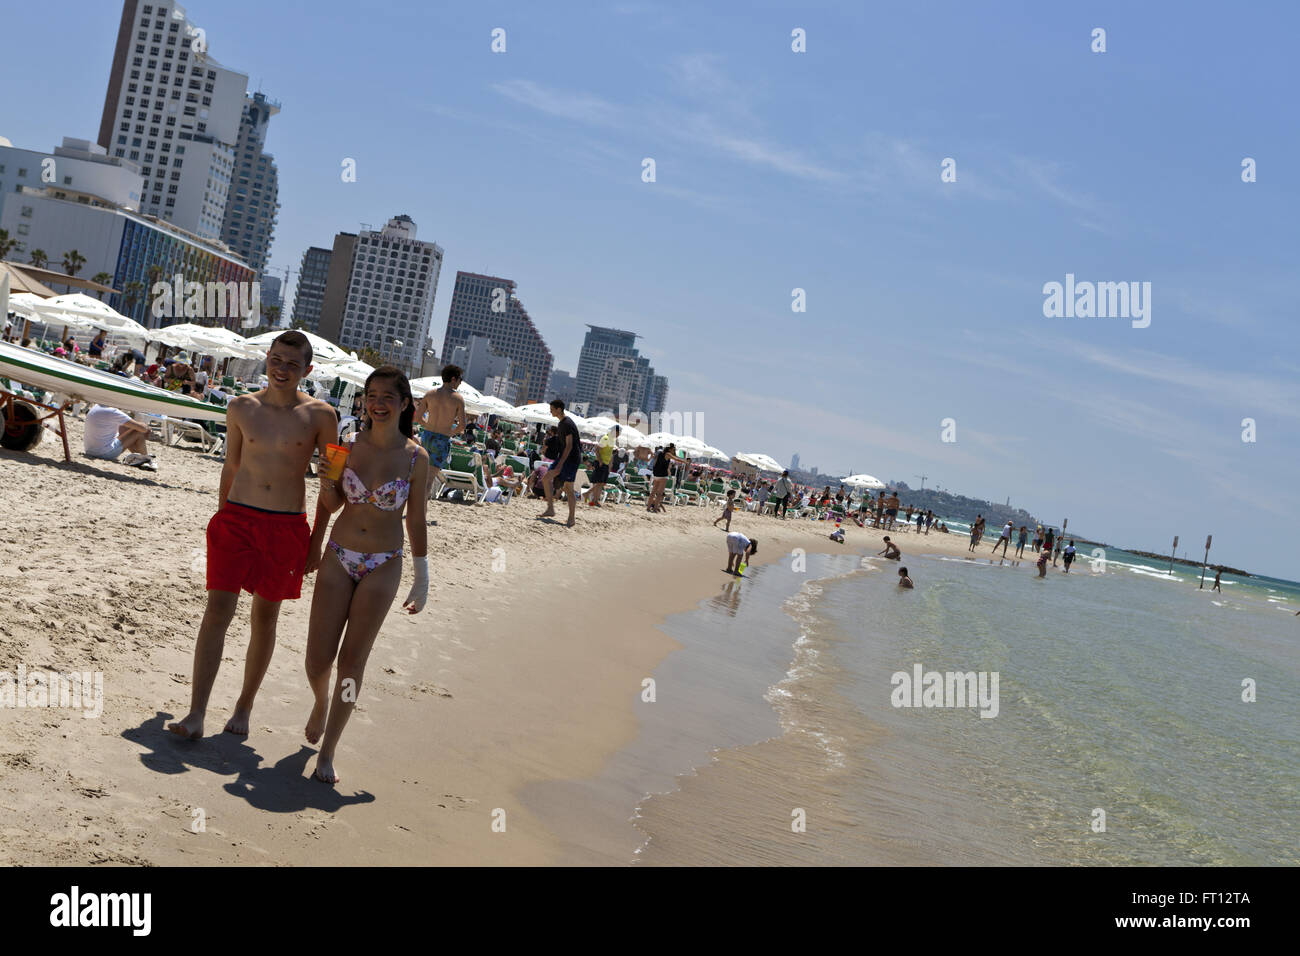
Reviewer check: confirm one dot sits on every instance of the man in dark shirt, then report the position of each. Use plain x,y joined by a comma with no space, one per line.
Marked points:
565,469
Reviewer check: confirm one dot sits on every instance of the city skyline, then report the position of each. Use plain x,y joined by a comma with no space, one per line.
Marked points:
822,173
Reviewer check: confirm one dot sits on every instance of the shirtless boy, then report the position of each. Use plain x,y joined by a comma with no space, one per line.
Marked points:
440,414
257,541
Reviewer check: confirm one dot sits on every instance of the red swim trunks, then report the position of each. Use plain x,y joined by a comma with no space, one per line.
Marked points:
262,552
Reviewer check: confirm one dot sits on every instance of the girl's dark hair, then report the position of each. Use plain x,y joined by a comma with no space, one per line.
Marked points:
403,389
753,546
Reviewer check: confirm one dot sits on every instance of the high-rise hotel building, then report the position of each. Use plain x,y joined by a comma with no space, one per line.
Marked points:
254,201
309,295
176,111
611,372
380,290
487,306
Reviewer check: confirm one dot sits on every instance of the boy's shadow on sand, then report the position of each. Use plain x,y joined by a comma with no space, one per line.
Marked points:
285,787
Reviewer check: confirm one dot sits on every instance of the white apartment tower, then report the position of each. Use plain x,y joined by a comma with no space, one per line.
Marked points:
390,292
176,111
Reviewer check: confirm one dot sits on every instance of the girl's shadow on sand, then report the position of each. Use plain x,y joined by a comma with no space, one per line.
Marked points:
285,787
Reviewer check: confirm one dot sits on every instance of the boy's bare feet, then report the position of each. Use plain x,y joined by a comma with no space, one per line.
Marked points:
191,728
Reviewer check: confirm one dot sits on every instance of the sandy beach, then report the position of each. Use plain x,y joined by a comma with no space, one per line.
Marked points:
524,667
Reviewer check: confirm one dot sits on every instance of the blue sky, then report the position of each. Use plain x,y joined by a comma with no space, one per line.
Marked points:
821,170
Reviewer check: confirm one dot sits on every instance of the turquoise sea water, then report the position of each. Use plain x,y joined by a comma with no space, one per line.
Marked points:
1120,692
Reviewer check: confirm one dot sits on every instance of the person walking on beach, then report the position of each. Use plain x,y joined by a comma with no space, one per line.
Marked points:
975,532
1218,573
359,578
929,520
1060,541
1004,540
565,469
1067,556
1038,539
739,550
727,507
920,521
781,494
258,539
664,459
439,413
604,458
1020,543
891,510
1049,537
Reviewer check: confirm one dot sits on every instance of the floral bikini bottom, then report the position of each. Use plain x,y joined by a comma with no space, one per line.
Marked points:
360,563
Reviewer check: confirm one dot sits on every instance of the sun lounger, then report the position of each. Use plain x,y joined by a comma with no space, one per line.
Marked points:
465,473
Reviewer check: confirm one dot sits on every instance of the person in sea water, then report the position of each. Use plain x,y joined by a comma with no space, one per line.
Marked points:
1068,556
903,580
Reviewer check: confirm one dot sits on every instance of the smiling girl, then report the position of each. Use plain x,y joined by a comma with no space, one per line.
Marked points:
362,570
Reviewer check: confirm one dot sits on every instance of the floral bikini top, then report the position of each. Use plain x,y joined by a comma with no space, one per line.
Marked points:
389,497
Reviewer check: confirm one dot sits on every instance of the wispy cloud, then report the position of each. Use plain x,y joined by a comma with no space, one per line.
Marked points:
582,107
1245,392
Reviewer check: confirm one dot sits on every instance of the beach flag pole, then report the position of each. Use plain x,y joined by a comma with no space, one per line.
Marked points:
1208,538
1172,551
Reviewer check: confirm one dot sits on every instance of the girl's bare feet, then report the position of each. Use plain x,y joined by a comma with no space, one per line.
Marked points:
325,770
316,722
238,723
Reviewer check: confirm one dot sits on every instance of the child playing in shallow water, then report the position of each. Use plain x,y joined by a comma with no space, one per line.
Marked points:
1042,562
903,580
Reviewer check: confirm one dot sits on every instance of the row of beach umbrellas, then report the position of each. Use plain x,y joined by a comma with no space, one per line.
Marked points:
83,312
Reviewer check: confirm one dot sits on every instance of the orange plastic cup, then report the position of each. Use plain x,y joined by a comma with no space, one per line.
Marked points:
336,458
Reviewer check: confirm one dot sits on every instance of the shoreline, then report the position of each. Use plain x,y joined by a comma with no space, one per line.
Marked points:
512,676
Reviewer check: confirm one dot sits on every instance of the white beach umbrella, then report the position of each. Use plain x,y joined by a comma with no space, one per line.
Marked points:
92,313
323,350
476,403
354,372
223,342
539,413
597,427
28,305
759,461
629,437
536,413
862,482
499,407
715,454
691,447
208,340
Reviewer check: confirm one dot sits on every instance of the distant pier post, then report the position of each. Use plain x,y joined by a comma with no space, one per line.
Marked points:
1208,539
1172,552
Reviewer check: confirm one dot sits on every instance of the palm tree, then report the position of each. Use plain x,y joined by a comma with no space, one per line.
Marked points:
271,315
134,293
7,245
39,258
72,263
102,278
